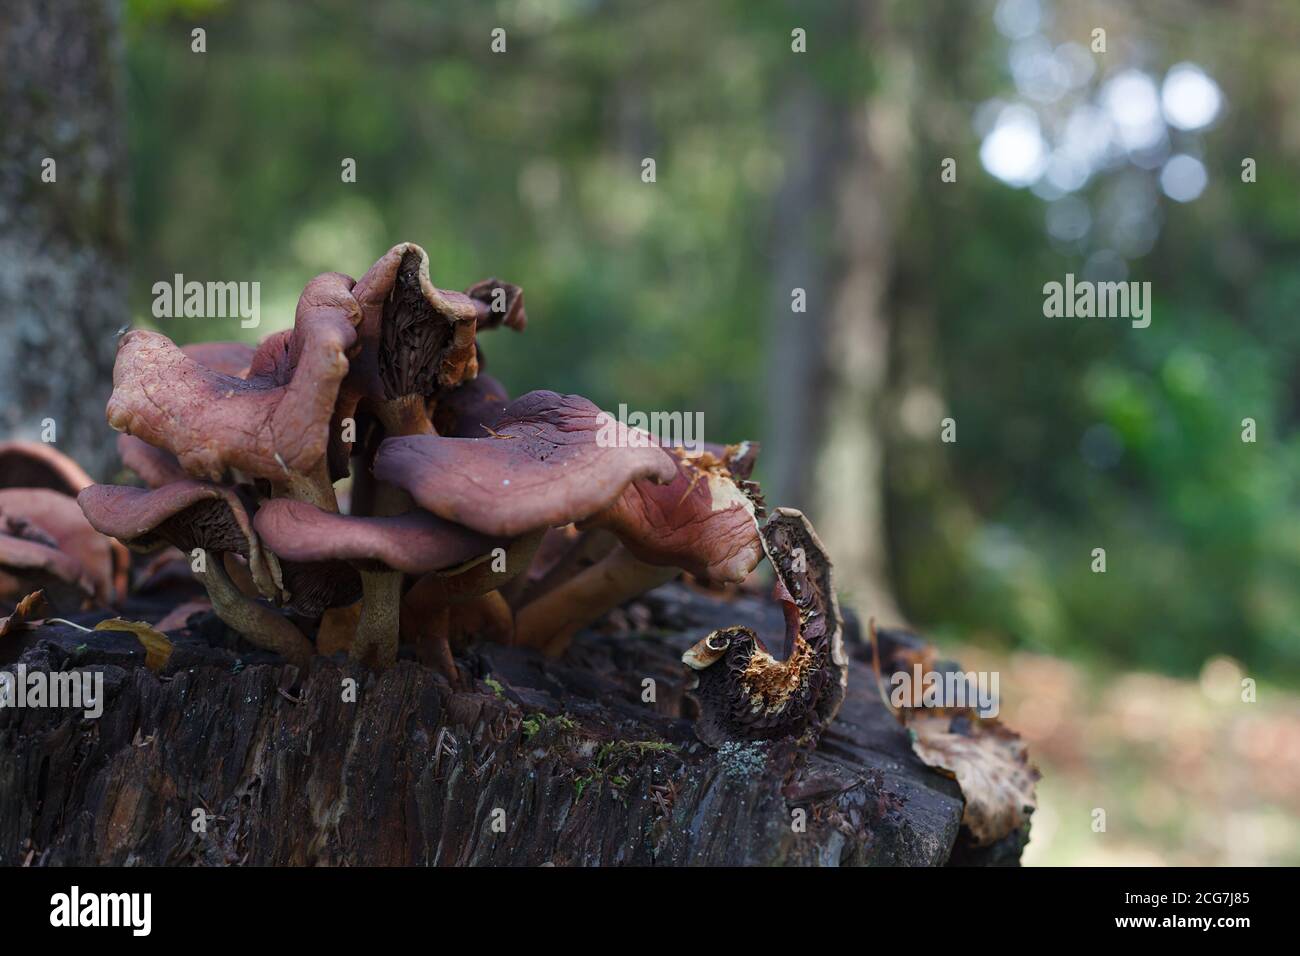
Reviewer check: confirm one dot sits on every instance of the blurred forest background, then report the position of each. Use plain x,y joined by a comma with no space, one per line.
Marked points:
823,171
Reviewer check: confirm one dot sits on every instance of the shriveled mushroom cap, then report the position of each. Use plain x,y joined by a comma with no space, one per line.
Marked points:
155,466
30,464
414,542
414,337
702,521
500,303
189,514
543,467
743,691
277,357
266,426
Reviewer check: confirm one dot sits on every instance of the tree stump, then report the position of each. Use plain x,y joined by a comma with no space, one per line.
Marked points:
543,762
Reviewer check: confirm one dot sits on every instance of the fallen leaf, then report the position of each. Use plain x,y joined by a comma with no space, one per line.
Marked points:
29,611
157,648
989,761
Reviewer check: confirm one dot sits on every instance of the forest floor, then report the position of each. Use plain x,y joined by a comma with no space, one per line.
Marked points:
1187,773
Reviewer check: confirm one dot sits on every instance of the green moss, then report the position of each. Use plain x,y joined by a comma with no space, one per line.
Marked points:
533,724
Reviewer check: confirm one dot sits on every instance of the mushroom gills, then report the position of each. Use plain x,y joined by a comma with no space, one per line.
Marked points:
413,335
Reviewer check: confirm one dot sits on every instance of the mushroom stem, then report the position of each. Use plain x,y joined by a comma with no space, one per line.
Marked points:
406,415
381,601
261,626
313,487
593,545
433,644
239,575
476,577
549,623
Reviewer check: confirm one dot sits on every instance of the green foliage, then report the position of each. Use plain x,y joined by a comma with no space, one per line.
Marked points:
527,166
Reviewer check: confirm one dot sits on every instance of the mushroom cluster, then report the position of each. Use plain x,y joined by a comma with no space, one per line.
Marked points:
357,481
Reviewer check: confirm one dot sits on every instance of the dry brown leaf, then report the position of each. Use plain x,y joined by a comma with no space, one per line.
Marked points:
29,611
157,648
338,626
989,761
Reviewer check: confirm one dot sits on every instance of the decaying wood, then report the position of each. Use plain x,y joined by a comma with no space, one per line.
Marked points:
558,762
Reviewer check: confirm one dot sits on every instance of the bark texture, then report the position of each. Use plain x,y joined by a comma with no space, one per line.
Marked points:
543,762
62,243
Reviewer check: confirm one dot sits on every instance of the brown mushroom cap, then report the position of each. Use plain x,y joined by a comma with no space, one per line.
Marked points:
29,563
701,521
264,426
188,514
543,467
30,464
43,545
58,517
157,467
414,542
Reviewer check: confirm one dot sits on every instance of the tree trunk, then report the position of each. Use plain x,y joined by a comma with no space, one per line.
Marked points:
833,225
62,242
543,762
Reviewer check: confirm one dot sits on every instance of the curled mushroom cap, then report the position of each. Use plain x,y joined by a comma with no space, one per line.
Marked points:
188,514
498,303
29,464
746,693
542,467
414,542
270,425
414,337
703,521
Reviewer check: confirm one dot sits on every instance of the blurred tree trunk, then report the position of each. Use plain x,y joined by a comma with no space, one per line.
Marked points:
845,167
62,242
801,256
